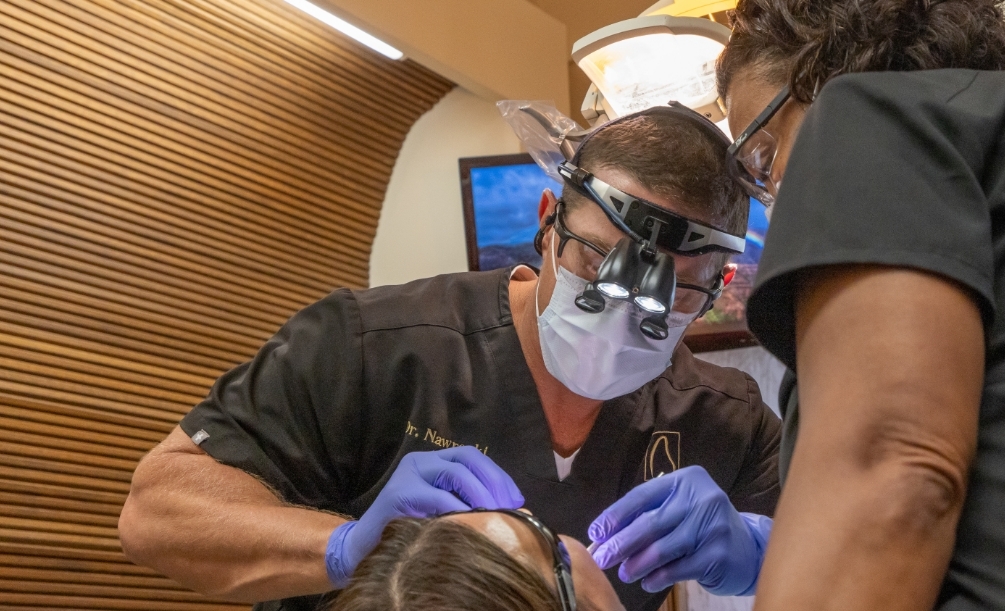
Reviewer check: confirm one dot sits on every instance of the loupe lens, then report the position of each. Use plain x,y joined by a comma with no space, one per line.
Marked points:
650,304
617,272
591,300
612,290
655,327
658,286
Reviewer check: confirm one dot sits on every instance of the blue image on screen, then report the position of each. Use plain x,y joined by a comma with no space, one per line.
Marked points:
757,228
505,200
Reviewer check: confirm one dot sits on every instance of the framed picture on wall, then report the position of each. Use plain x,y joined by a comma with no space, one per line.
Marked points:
501,195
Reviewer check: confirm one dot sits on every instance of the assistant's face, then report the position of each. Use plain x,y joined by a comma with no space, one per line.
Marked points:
519,540
588,221
746,98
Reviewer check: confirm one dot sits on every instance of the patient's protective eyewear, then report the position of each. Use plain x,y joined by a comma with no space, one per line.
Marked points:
561,562
751,156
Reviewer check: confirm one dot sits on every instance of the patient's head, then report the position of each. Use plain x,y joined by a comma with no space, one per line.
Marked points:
485,561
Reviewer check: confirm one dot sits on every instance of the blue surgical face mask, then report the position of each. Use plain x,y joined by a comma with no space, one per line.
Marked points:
601,356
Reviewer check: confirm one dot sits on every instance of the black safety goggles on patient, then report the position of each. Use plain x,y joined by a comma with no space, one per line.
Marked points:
561,563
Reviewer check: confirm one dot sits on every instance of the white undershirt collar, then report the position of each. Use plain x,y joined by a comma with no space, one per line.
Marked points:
564,465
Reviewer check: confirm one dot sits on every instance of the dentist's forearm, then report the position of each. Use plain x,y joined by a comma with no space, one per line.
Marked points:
220,531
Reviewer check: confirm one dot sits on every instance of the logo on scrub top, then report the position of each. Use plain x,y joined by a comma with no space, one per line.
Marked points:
662,455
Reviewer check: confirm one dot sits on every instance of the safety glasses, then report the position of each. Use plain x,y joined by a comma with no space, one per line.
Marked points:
561,562
750,157
687,298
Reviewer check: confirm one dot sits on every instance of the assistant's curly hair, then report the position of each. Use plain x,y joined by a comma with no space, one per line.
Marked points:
807,42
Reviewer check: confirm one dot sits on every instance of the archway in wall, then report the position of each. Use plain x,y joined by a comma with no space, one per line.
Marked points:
177,177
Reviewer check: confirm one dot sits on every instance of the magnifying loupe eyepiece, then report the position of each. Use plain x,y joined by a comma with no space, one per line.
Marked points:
591,300
616,276
655,327
613,290
658,286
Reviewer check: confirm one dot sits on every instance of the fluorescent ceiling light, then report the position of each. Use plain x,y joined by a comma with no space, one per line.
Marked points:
347,28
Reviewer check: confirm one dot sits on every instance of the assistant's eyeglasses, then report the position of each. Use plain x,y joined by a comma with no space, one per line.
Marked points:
561,563
751,156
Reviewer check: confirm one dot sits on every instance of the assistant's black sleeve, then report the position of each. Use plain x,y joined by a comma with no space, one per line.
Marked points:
887,170
756,489
290,416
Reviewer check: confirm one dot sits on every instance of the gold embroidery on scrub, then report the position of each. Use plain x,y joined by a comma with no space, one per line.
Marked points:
661,440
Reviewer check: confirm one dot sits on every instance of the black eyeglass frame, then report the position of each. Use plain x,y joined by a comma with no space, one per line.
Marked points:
565,234
561,562
740,173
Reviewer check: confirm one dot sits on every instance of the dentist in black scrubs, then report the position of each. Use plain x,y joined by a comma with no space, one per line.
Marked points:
370,404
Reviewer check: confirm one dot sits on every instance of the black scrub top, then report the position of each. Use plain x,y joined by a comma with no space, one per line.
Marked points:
355,381
905,169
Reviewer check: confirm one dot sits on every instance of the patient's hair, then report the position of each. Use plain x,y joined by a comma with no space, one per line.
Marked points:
439,565
674,158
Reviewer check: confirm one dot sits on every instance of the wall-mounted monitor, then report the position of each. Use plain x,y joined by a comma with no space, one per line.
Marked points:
501,194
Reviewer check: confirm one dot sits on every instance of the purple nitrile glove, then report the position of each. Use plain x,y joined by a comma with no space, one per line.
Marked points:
424,484
681,526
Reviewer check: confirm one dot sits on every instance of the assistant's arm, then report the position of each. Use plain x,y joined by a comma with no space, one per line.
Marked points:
220,531
756,488
890,365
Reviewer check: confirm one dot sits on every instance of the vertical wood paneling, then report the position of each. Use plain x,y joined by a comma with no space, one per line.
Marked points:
177,177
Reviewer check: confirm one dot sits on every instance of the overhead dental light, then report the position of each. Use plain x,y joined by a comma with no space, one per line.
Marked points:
650,60
348,29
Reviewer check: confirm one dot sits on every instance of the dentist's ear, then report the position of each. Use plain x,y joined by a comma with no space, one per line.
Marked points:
546,211
546,207
728,272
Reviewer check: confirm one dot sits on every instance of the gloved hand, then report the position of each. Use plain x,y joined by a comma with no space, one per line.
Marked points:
681,526
424,484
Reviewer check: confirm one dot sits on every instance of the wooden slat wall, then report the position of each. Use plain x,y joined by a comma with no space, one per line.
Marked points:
177,177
